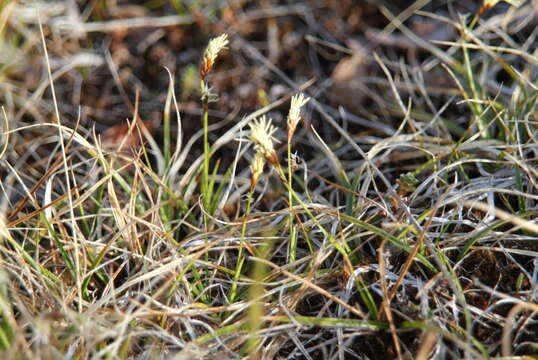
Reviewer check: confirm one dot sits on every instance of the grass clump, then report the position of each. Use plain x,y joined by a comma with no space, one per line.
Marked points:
403,228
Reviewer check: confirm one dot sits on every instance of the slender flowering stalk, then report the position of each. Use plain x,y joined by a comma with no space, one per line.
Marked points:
215,46
261,134
294,116
256,167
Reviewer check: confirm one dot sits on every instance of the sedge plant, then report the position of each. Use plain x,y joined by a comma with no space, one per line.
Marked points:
215,46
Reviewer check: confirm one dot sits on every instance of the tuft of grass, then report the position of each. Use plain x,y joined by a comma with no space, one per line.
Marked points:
329,237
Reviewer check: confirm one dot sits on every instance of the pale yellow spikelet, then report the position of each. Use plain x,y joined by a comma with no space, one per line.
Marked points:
294,116
488,4
215,46
256,168
261,134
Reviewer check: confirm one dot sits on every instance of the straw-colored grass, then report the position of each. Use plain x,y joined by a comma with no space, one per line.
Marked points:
311,236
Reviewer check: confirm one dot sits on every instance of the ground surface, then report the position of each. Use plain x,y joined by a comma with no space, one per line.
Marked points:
143,217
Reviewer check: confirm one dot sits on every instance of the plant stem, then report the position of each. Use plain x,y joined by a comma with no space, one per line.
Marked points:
240,256
205,169
293,237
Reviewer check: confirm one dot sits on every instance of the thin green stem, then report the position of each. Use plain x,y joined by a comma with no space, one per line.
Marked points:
476,108
240,256
342,248
205,169
293,235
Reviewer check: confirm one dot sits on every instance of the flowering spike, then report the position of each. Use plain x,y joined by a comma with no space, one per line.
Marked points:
211,52
256,168
261,134
294,116
488,4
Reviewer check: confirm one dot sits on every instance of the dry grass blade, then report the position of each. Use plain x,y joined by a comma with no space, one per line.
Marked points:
528,225
386,211
314,287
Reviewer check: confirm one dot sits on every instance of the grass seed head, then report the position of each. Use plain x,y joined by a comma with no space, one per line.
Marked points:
215,46
261,134
256,168
488,4
294,116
